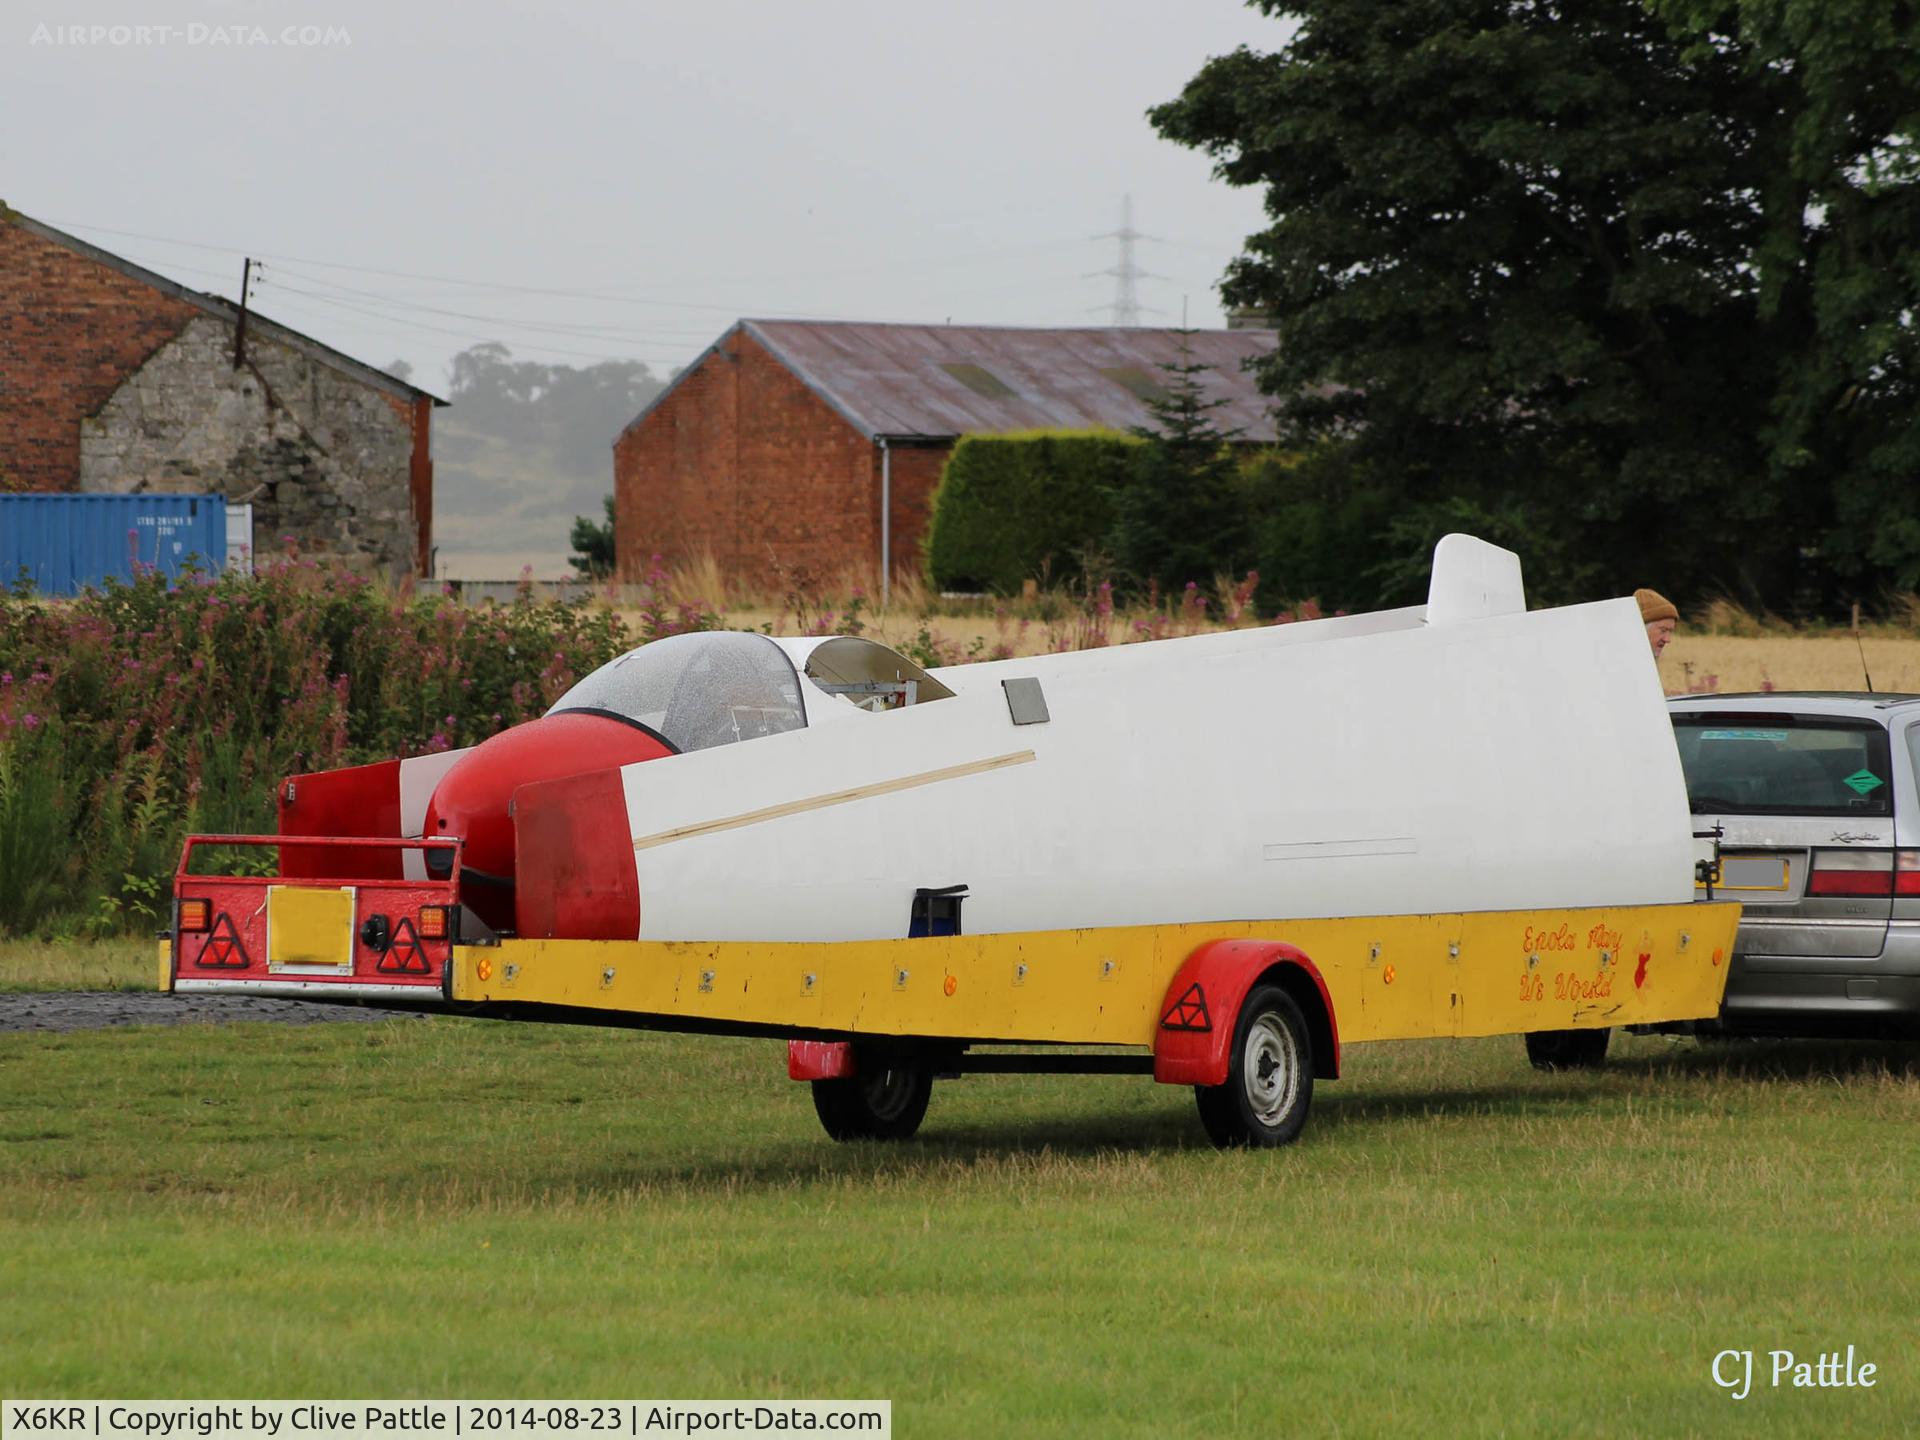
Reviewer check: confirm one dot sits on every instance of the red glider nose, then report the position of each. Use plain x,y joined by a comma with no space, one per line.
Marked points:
471,798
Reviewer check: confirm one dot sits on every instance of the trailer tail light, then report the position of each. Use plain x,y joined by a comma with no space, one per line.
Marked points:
193,916
433,922
1857,874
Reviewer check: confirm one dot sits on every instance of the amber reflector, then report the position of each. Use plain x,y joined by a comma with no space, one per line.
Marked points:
193,914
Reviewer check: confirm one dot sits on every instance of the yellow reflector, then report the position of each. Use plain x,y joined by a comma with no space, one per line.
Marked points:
310,927
193,914
484,969
433,922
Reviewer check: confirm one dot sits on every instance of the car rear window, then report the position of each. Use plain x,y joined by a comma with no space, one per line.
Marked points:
1784,765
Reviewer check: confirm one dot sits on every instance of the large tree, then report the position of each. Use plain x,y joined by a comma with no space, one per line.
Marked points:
1559,267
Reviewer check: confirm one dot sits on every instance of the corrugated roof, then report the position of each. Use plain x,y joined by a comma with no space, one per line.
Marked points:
937,381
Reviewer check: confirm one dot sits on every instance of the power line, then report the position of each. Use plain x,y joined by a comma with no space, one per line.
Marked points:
174,268
588,331
459,334
605,295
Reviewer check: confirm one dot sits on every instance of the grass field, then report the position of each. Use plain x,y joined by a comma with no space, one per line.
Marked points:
1459,1245
48,965
461,1208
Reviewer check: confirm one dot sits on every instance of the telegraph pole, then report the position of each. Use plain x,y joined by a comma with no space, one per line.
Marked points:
240,331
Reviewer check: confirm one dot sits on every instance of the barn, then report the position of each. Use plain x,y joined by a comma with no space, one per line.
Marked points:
813,447
116,380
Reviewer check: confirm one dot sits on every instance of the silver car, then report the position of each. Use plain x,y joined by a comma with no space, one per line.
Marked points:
1816,800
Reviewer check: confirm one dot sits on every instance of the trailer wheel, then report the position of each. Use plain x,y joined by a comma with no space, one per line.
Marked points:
1269,1076
1567,1049
885,1100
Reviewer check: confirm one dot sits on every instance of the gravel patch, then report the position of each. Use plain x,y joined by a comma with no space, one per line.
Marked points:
57,1010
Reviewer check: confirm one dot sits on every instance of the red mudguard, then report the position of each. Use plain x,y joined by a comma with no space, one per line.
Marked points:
1202,1005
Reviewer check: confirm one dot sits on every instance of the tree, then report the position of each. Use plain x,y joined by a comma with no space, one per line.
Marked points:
1840,262
576,412
1178,516
1556,262
593,552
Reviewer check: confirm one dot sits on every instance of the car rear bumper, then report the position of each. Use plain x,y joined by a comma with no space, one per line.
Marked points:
1785,1002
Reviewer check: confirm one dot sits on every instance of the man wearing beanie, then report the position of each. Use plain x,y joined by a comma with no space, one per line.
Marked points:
1659,616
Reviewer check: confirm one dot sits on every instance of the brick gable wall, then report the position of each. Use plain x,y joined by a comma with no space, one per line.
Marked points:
71,331
743,461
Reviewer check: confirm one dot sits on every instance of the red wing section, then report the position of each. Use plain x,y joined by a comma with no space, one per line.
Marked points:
576,871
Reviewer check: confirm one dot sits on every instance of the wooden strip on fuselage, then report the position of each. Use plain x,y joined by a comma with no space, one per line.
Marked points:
837,797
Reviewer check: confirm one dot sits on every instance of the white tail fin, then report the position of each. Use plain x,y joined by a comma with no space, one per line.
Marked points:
1473,580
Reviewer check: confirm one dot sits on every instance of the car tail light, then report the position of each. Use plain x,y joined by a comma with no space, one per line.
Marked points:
1906,872
433,922
193,915
1855,873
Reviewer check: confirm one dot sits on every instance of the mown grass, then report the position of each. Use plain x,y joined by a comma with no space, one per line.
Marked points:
127,964
465,1208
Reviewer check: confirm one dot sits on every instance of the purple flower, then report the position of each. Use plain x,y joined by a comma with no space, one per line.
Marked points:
30,720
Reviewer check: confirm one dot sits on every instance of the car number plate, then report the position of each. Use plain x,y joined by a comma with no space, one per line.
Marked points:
1753,872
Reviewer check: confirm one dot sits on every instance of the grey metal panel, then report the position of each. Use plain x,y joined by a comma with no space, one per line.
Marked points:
889,379
1025,702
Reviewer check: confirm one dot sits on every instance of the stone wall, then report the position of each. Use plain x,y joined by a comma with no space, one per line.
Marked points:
320,456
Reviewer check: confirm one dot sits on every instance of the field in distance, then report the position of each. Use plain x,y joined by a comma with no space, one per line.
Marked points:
1693,662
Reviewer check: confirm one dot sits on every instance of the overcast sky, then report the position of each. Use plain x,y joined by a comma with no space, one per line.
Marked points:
667,168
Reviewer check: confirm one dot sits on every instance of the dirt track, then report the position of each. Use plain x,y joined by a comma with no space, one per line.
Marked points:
95,1009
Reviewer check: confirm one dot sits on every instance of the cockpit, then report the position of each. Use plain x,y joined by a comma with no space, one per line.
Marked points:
717,687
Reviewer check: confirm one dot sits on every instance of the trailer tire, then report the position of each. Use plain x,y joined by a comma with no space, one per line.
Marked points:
1269,1076
1567,1049
886,1099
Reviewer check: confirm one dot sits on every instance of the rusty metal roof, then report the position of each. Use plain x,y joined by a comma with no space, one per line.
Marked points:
939,381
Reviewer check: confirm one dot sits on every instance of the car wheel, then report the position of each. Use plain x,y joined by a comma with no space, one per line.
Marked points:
1568,1049
886,1099
1269,1076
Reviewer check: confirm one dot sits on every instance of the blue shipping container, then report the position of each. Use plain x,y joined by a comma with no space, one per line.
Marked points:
67,542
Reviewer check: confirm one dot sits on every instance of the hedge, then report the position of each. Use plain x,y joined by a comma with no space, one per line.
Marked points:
1014,507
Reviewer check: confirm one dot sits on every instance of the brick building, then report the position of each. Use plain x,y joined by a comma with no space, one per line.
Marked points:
809,445
114,379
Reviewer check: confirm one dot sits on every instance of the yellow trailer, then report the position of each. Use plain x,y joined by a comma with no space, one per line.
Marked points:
1249,1013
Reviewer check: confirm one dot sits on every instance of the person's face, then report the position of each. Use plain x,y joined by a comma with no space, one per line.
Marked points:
1659,632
